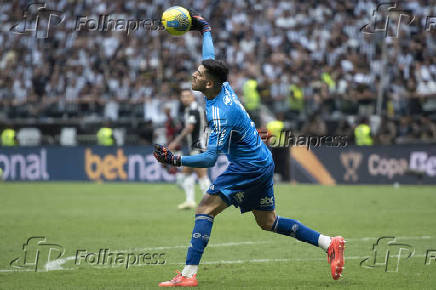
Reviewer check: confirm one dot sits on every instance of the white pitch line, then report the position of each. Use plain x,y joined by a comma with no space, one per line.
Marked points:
284,260
217,262
232,244
229,244
57,264
397,238
16,270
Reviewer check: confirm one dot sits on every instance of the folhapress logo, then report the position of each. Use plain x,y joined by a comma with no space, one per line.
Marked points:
37,19
387,253
37,252
38,255
40,21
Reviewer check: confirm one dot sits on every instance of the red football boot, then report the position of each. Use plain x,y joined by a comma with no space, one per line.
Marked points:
335,256
180,281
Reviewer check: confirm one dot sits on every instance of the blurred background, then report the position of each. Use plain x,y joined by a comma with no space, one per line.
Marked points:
315,68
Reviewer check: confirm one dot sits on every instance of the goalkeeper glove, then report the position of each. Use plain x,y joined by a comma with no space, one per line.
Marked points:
163,155
198,22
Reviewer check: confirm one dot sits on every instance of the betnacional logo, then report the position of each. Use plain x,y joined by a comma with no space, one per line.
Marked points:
22,166
108,167
120,166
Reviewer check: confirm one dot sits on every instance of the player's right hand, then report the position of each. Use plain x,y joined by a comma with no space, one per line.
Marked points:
163,155
198,22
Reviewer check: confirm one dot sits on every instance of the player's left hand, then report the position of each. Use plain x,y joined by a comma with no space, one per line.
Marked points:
198,22
164,155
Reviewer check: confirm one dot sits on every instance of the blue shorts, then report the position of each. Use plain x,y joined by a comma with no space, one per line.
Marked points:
246,189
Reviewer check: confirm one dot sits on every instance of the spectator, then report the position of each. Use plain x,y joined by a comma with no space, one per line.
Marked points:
308,56
387,132
315,126
362,133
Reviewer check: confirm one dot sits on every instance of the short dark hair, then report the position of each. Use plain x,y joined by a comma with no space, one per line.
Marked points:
217,69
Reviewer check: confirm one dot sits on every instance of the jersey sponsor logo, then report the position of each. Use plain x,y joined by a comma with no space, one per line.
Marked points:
266,201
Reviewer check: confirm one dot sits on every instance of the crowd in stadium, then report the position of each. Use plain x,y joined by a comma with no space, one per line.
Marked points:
305,61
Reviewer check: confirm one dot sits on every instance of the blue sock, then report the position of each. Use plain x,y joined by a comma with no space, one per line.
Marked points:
200,238
294,228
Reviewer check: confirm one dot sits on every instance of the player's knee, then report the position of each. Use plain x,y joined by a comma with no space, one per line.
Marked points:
203,209
210,205
209,210
265,220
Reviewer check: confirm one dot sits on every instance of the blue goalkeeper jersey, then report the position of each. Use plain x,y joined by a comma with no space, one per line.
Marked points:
233,133
231,130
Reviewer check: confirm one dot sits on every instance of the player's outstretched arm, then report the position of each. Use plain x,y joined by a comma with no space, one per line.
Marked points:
200,24
203,160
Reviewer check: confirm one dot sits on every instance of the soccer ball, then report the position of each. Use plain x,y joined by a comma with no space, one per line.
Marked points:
176,20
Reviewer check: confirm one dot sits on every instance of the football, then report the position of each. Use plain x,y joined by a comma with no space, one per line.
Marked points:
176,20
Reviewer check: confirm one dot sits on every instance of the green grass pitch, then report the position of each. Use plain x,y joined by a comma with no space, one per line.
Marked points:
143,219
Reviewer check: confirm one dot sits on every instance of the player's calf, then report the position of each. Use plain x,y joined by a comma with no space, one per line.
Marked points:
269,221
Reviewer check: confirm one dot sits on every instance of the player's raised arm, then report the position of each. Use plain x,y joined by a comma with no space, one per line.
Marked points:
200,24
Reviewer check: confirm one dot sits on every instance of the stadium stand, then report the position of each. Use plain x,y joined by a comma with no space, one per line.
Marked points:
307,58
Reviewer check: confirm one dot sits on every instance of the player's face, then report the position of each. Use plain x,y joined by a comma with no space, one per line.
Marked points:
186,97
200,80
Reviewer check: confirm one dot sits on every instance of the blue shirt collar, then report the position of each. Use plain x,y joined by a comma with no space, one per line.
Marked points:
221,93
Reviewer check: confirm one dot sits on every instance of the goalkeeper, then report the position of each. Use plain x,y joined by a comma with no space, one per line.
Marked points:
248,181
